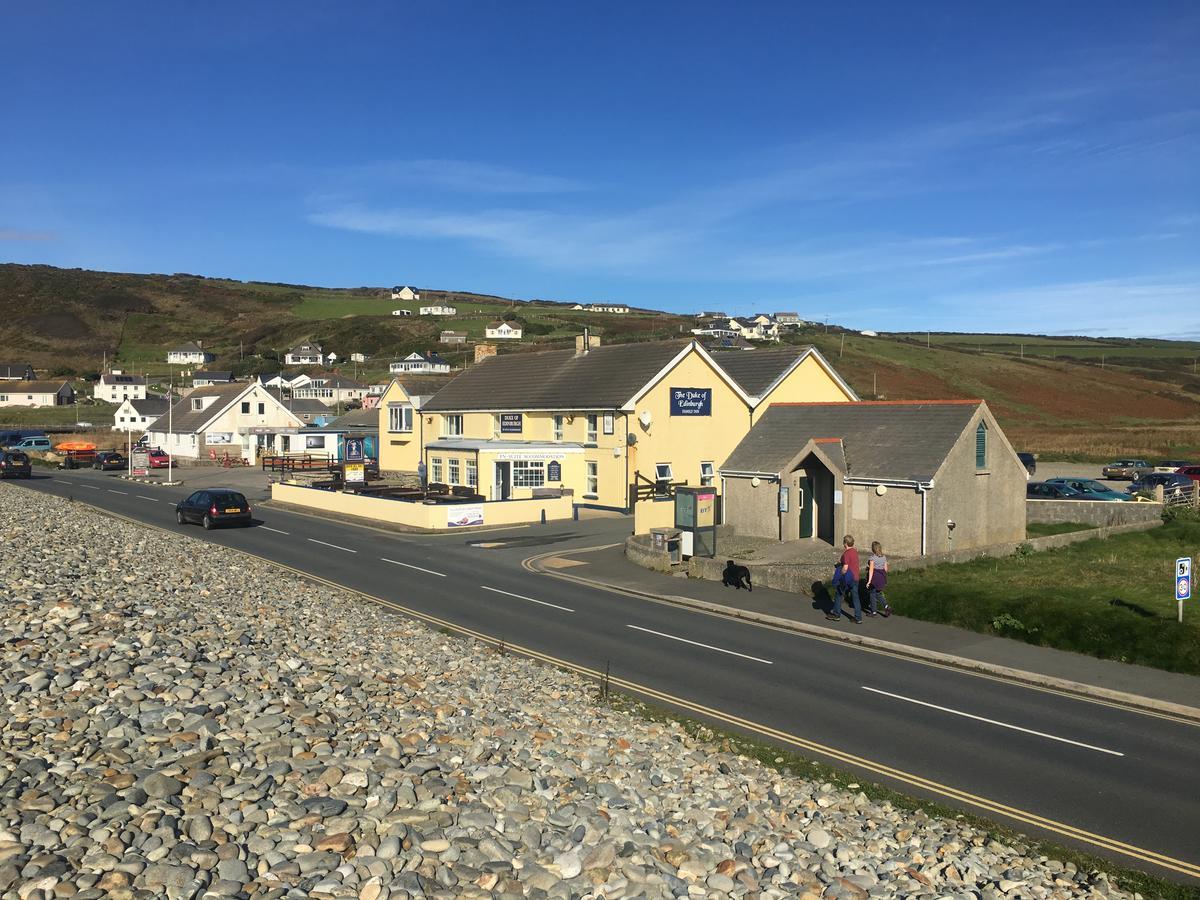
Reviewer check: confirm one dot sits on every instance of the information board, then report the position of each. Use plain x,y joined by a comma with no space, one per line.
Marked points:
511,423
691,401
554,471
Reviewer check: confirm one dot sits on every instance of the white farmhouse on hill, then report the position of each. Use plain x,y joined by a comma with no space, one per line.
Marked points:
189,354
116,387
505,331
307,354
404,292
420,364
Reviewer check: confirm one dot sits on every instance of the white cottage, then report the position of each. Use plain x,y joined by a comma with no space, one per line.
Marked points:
117,387
224,419
439,311
504,331
138,415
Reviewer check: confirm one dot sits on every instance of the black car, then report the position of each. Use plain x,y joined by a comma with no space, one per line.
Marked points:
213,507
108,460
1029,461
14,464
1173,485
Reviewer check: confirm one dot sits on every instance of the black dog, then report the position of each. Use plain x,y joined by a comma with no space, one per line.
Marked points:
736,576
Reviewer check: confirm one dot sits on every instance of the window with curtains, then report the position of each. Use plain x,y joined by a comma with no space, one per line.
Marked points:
452,426
558,428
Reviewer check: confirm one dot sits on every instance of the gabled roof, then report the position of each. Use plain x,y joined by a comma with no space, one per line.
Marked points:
33,387
14,370
423,385
756,372
212,376
602,378
339,382
358,419
189,347
302,406
185,420
122,378
306,347
151,406
886,440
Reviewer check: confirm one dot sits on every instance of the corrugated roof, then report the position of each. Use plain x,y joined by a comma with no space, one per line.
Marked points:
757,371
885,440
603,378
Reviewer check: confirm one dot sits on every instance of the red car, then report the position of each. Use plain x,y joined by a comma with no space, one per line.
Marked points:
1192,472
159,459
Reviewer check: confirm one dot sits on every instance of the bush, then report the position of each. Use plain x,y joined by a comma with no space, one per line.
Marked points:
1181,513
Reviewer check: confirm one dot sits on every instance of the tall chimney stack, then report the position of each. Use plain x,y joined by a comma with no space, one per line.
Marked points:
585,342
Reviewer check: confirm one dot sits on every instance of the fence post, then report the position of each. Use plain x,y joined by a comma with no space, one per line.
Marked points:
1196,493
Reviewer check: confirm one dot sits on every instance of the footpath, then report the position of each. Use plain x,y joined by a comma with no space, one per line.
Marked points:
1100,679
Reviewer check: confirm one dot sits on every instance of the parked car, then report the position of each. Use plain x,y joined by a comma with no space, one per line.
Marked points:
109,460
1192,472
1041,490
14,436
213,507
1172,484
1029,461
159,459
1089,488
15,464
1125,469
31,443
1171,465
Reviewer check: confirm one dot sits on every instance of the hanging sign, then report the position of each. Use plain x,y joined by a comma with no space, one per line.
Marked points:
691,401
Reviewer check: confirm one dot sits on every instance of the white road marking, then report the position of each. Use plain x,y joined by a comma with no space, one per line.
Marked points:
276,530
63,481
334,546
530,599
111,491
409,566
92,486
144,497
698,644
967,715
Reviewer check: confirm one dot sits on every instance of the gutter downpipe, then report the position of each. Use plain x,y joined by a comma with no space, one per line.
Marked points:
921,487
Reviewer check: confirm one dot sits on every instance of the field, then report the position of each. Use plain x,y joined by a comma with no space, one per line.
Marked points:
1110,598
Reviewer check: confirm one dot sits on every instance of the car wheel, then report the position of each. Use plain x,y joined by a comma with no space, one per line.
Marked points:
207,523
179,517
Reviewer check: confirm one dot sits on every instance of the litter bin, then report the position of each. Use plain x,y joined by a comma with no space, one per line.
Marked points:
668,540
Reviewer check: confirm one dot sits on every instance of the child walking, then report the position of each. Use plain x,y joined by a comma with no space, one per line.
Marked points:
877,573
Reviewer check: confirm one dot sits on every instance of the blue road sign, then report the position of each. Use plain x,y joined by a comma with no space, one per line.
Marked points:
1183,578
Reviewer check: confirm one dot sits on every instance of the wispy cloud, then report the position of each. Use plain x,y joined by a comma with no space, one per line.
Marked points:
467,177
18,234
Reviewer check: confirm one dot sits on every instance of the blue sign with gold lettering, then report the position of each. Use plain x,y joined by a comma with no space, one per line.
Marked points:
691,401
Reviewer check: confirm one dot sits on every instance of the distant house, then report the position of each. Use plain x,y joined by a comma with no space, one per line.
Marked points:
404,292
189,354
16,372
207,377
764,319
439,311
420,364
401,312
716,331
116,387
711,315
282,380
787,318
505,331
137,415
307,354
602,307
237,420
754,330
36,393
310,412
358,357
453,337
330,389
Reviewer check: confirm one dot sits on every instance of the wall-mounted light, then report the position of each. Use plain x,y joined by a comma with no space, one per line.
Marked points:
755,481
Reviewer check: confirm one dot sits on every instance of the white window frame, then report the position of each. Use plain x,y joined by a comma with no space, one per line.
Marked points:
593,425
435,469
447,430
708,474
592,478
659,469
609,423
472,473
453,470
403,423
559,421
197,403
530,473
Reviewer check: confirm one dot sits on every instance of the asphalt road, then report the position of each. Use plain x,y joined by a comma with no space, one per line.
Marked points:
1112,781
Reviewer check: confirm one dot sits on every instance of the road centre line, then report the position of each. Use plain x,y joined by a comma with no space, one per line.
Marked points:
276,530
334,546
111,491
144,497
63,481
530,599
698,644
395,562
967,715
94,487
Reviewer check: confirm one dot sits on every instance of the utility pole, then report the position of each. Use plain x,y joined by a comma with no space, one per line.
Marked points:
874,387
843,346
170,424
926,340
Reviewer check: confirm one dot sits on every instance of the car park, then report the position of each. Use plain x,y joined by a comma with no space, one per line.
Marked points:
1173,484
1089,488
109,460
1041,490
1029,461
213,507
1125,469
15,464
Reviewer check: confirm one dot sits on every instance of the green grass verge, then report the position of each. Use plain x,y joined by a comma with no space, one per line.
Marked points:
791,764
1106,597
57,418
1045,529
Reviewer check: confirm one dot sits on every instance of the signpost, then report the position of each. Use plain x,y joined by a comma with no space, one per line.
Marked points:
354,450
1183,582
140,461
356,473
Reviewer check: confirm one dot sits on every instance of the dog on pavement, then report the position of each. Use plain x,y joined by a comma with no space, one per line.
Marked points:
736,576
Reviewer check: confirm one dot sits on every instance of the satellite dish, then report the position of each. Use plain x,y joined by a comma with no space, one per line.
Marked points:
630,439
645,418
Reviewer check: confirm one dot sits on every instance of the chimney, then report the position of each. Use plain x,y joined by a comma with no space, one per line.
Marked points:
483,351
200,344
585,342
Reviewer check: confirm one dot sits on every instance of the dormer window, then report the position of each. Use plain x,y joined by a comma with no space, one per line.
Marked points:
197,403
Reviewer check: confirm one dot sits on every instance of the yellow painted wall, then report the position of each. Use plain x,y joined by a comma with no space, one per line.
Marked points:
418,515
398,451
807,383
653,514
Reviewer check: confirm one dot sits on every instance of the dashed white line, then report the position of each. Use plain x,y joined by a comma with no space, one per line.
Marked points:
967,715
111,491
673,637
410,566
276,530
144,497
94,487
334,546
63,481
530,599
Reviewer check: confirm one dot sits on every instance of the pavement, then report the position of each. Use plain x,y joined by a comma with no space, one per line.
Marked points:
1109,777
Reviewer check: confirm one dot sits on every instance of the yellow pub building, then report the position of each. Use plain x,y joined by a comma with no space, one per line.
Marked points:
613,425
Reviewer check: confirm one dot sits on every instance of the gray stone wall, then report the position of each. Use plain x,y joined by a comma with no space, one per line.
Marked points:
1091,512
893,518
987,506
752,511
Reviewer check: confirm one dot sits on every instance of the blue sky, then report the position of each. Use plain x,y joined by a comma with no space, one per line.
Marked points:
1020,166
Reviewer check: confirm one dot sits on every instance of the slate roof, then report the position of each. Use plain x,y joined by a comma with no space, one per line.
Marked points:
15,370
358,420
603,378
149,406
757,371
308,347
338,381
110,378
904,440
424,385
33,387
185,420
213,376
189,347
303,406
